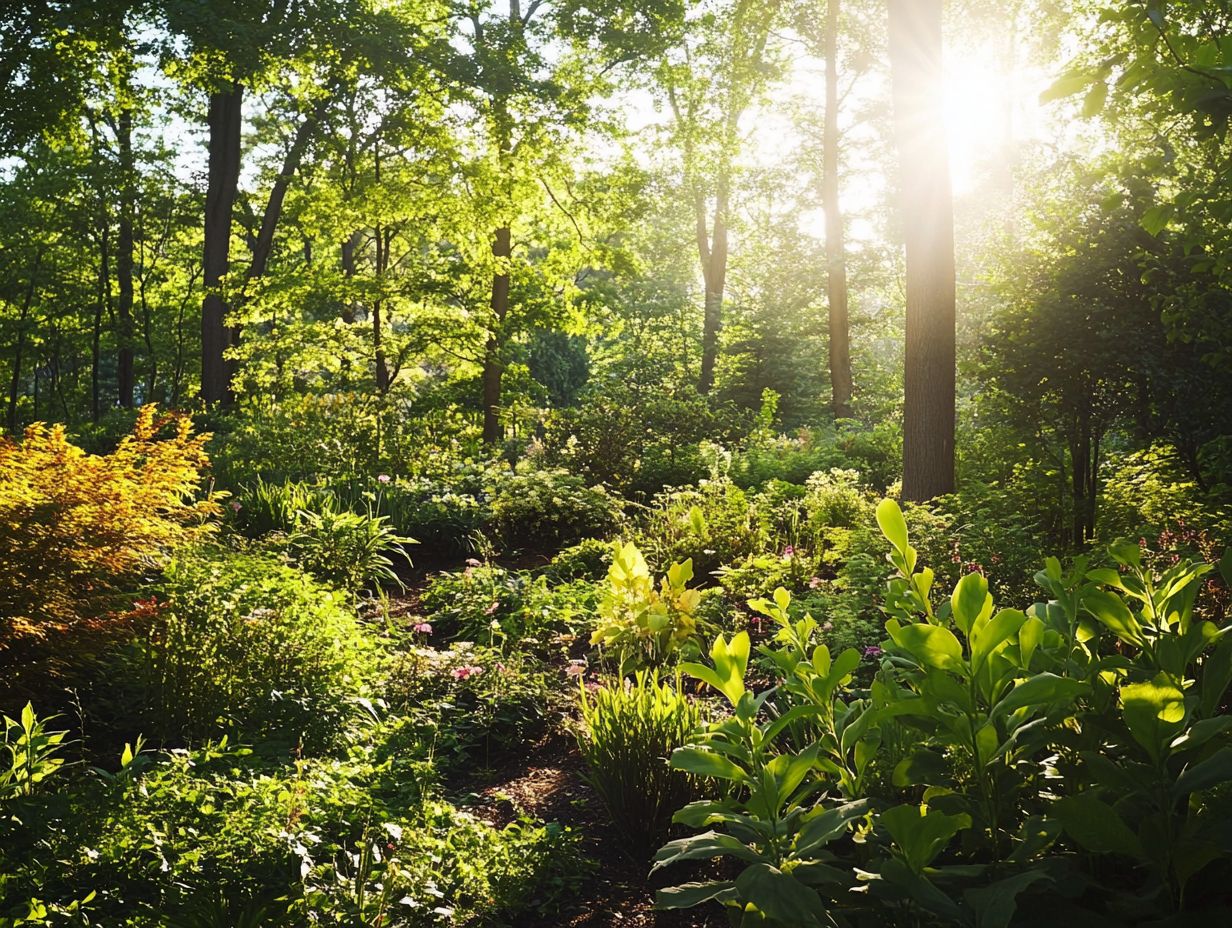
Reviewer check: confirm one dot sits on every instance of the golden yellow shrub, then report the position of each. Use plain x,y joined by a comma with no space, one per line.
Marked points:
75,527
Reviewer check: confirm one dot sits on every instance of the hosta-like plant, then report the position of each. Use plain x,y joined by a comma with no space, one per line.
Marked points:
642,624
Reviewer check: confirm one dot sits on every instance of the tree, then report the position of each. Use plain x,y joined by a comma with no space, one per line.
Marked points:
928,221
718,70
836,258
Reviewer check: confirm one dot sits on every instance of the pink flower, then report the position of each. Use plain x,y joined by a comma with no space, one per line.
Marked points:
473,562
467,671
235,505
873,651
500,668
828,626
789,551
382,478
422,628
491,610
575,668
815,582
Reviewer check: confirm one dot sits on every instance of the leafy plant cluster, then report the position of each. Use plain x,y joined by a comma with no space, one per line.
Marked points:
1067,759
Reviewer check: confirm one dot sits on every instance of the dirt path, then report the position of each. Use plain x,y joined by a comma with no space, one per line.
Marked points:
548,785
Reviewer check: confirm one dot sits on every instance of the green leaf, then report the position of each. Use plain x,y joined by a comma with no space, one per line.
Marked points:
706,764
922,766
1040,690
824,827
1111,610
705,846
1225,567
985,639
931,645
780,897
970,601
1095,825
1067,85
1029,638
1156,219
1214,770
1153,712
1093,102
687,895
994,905
920,833
893,525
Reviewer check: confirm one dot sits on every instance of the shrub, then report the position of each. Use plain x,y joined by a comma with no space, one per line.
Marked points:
631,728
240,641
640,625
491,605
77,527
714,524
545,509
275,507
587,560
347,549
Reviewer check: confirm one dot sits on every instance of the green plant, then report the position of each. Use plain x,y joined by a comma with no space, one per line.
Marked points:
545,509
630,729
641,625
347,549
242,641
714,524
32,754
586,560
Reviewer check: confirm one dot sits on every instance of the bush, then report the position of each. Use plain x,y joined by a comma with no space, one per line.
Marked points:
76,528
545,509
347,549
491,605
630,729
587,560
241,642
712,525
642,626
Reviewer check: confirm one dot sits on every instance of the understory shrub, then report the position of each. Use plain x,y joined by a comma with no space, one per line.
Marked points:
546,509
586,560
1067,763
241,642
75,528
630,729
713,524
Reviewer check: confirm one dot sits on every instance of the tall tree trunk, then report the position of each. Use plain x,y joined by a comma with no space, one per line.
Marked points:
493,365
928,220
96,333
382,238
19,348
124,258
225,125
713,253
836,258
348,271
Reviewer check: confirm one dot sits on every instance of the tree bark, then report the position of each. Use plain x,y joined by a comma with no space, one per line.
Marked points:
225,126
836,258
493,365
19,348
124,258
713,254
928,220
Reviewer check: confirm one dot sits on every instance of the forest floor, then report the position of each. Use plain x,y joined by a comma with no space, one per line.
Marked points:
546,782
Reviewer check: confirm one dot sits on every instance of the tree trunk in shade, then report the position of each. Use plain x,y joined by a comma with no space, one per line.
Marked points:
493,365
225,124
928,220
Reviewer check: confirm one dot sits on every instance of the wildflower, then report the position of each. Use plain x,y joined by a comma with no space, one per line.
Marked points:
873,651
382,478
422,628
491,610
500,667
828,626
575,668
815,582
789,551
466,671
235,505
473,562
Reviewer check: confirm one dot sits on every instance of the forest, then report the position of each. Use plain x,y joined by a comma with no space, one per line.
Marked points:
594,463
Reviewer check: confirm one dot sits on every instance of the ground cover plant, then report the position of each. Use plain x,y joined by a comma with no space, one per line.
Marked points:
641,463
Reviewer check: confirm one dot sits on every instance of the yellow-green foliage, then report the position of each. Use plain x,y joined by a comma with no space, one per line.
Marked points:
642,623
74,526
